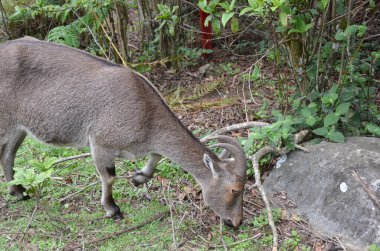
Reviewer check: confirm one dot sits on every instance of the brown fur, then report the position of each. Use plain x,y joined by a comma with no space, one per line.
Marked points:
67,97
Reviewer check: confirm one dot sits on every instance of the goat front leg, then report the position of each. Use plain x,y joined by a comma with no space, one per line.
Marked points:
142,176
105,165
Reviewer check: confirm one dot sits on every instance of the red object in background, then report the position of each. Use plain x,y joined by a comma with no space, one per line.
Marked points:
206,34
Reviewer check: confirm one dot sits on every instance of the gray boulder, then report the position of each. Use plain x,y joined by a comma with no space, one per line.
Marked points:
322,185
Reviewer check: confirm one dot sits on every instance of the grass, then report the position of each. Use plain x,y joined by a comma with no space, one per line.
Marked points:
58,225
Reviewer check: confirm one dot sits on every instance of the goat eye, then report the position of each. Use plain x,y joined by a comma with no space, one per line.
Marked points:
235,192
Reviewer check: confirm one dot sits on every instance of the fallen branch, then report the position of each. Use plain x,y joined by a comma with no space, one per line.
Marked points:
365,187
30,220
235,127
81,156
255,163
71,195
130,229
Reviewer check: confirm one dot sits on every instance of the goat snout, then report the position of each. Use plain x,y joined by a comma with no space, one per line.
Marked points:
235,223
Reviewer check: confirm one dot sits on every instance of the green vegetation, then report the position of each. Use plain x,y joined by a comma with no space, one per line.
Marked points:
60,223
319,60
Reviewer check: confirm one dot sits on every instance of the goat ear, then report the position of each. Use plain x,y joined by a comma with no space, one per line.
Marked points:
210,165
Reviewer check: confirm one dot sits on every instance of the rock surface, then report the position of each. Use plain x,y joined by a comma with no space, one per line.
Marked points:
322,185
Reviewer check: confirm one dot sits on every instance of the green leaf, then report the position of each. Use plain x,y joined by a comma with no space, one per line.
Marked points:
330,119
336,137
283,19
232,5
249,142
325,3
216,27
373,247
307,27
225,6
343,108
171,29
245,10
374,129
322,131
305,112
234,25
226,17
255,73
340,36
310,121
207,20
329,98
296,103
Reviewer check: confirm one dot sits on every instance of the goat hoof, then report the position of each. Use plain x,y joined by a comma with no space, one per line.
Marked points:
118,216
139,179
18,192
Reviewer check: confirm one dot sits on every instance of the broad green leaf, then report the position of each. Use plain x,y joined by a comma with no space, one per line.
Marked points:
225,6
310,121
340,36
374,129
207,20
245,10
343,108
255,73
276,113
294,31
283,19
171,29
307,27
330,119
362,29
321,131
329,98
226,17
234,25
232,5
215,24
249,142
305,112
336,137
296,103
325,3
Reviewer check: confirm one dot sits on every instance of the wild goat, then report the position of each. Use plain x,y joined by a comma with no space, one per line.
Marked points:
66,97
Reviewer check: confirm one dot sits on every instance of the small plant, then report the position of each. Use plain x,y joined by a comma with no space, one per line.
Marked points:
229,69
292,242
262,219
33,177
374,247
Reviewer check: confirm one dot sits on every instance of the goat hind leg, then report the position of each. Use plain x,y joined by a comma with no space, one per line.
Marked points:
142,176
7,155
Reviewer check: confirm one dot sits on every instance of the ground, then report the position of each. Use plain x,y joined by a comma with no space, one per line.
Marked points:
65,211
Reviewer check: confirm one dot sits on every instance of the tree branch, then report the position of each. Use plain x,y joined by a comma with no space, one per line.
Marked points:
235,127
81,156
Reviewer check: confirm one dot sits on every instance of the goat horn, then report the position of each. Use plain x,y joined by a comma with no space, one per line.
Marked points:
225,139
237,153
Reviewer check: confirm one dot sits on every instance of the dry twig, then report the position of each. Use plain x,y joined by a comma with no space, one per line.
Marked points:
81,156
235,127
255,163
30,220
365,187
71,195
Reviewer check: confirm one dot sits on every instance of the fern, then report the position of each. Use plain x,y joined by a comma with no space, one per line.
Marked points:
67,35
